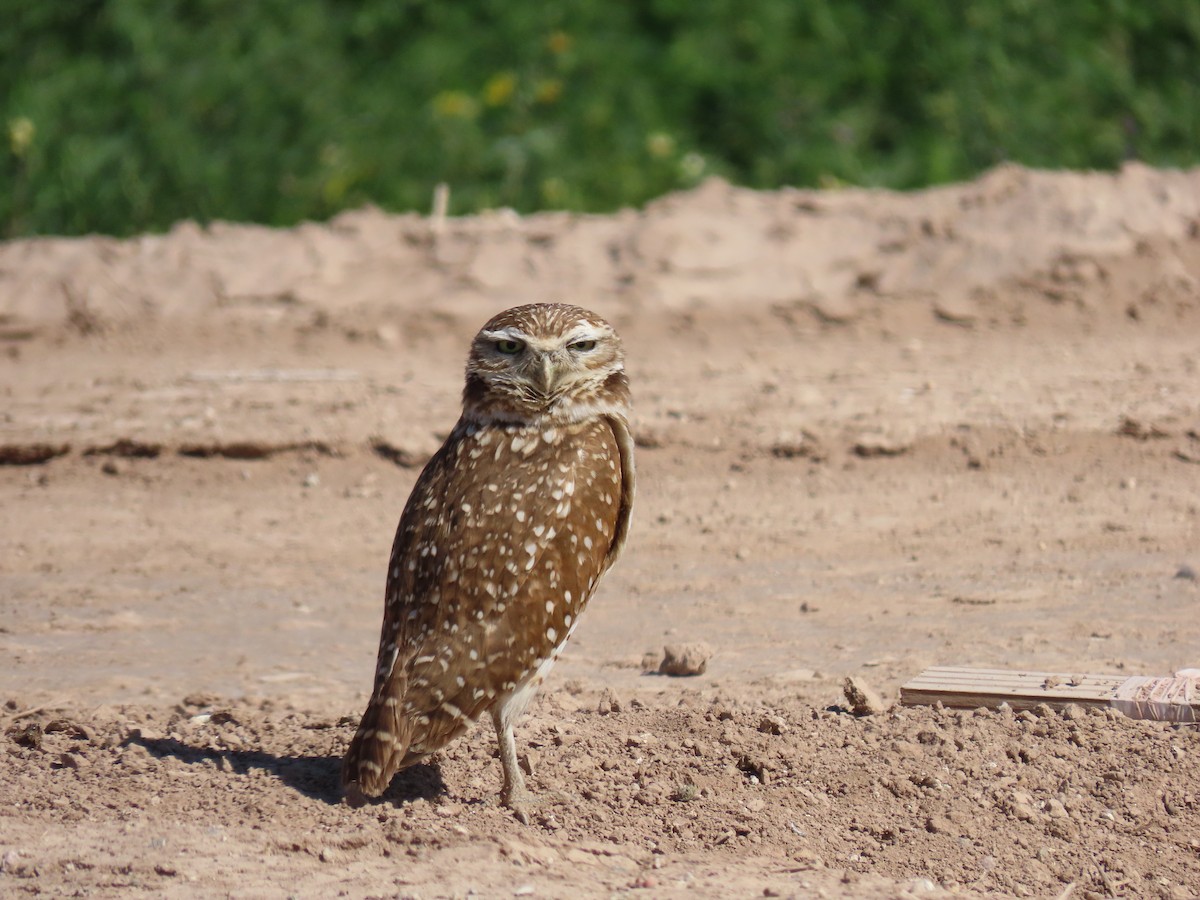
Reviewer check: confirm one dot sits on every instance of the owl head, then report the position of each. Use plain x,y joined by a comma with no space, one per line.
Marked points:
545,363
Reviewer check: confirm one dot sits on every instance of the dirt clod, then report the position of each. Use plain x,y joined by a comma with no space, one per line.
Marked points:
685,659
864,700
26,734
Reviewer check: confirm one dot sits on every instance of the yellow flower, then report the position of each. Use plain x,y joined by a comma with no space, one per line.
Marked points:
499,88
455,105
21,131
559,42
548,90
660,144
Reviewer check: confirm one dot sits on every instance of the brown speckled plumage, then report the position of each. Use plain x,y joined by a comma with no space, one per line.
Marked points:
502,542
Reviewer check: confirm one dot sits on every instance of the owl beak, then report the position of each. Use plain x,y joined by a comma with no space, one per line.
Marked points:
544,375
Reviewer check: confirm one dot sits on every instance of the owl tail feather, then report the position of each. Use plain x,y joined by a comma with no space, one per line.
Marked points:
378,749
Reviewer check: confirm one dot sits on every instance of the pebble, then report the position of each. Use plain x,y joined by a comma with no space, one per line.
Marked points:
72,761
608,703
27,735
685,659
873,444
1186,572
1023,811
772,725
863,699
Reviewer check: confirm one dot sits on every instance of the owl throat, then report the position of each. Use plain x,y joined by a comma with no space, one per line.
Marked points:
500,402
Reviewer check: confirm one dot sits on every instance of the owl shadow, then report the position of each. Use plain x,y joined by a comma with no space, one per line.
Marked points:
318,777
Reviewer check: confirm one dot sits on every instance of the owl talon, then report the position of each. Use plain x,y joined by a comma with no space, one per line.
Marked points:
521,807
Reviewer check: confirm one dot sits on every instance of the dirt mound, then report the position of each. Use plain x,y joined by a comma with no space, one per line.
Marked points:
709,794
837,255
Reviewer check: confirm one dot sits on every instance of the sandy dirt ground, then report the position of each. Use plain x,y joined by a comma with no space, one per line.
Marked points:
877,432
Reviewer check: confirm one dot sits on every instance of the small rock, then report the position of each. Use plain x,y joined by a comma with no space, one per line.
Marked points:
27,735
685,659
72,761
772,725
312,480
388,335
1023,811
111,467
527,761
71,729
807,447
651,660
144,733
874,444
835,310
685,793
863,699
1141,431
1186,572
956,309
608,703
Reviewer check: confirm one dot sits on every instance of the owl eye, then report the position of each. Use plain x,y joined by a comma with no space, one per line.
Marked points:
509,348
583,346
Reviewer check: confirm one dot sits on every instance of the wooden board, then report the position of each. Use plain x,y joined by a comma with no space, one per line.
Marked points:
1173,699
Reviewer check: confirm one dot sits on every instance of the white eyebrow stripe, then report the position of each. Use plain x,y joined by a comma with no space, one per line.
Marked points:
581,332
586,333
505,334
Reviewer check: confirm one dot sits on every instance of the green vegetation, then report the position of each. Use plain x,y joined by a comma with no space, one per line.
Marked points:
127,115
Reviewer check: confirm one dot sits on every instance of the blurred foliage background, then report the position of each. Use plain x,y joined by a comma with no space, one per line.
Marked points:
124,116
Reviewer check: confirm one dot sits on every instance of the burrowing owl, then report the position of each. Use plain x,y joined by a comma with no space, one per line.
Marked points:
502,542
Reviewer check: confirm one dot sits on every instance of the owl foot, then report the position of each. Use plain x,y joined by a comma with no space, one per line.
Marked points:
521,803
525,803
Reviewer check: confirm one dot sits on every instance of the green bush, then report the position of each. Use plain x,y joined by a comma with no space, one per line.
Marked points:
127,115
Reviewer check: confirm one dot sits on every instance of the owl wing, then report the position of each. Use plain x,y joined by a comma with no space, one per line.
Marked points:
499,548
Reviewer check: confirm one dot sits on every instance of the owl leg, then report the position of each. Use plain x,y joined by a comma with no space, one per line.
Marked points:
514,794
